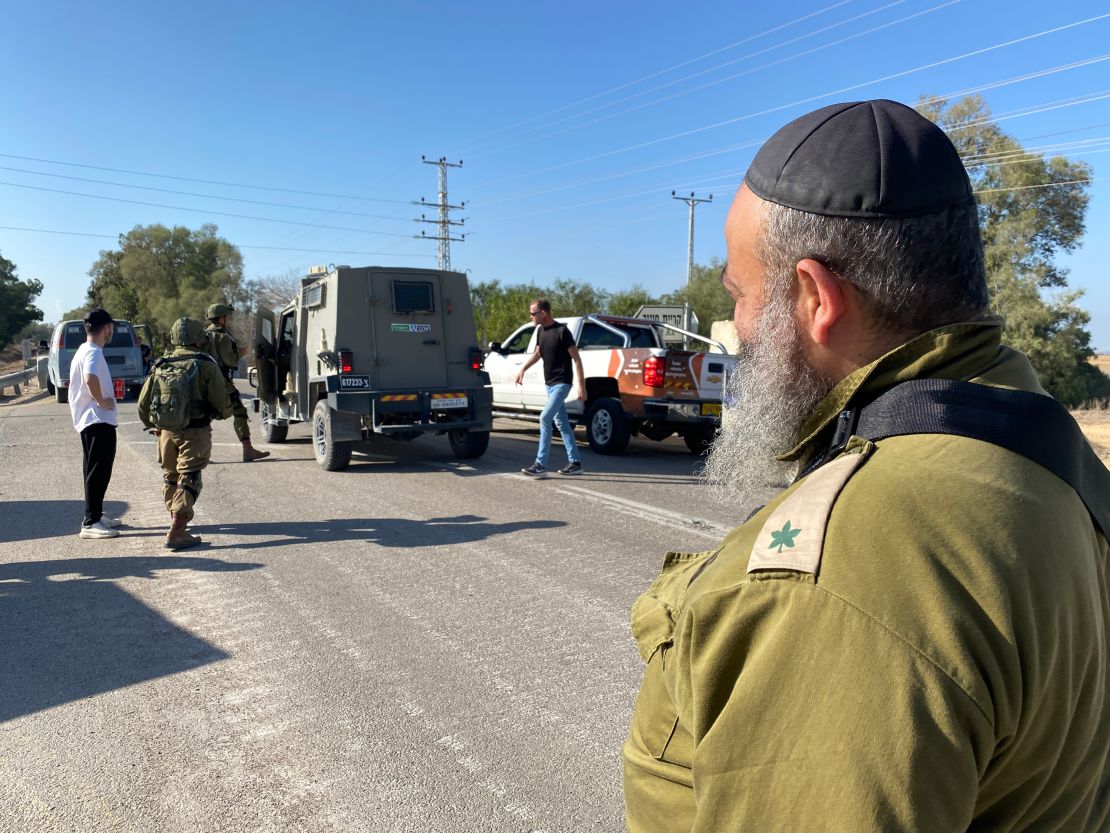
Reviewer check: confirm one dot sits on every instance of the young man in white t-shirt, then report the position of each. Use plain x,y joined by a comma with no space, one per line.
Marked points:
92,402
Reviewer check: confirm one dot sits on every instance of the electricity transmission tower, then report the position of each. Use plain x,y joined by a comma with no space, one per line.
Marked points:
691,201
444,221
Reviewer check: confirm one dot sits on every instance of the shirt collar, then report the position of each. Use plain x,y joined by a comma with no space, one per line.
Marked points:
957,351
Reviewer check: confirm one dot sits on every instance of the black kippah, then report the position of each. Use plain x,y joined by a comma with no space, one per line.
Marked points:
861,159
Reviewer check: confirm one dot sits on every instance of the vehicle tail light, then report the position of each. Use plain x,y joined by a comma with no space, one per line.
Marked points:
135,337
475,358
119,388
346,360
655,372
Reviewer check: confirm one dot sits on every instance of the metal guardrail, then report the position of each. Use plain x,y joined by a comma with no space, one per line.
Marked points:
14,380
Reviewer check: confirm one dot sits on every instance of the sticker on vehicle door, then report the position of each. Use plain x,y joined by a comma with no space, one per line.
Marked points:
411,328
710,409
354,383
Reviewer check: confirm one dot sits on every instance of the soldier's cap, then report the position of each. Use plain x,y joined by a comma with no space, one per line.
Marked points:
97,318
187,332
874,159
218,311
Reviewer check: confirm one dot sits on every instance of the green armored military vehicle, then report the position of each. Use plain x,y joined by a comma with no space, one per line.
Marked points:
373,350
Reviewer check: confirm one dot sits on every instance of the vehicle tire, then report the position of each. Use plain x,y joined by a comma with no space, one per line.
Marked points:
50,386
607,427
331,455
467,445
61,394
271,432
698,441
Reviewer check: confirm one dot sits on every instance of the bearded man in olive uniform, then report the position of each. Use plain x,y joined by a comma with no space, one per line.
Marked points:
222,347
184,392
914,635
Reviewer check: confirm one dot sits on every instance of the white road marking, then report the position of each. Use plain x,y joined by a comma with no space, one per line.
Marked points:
646,511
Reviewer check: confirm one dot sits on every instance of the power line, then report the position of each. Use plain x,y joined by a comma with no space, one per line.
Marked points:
648,77
237,245
202,196
205,181
793,56
807,100
199,210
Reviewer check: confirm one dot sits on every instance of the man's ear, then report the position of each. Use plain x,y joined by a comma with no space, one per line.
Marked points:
822,300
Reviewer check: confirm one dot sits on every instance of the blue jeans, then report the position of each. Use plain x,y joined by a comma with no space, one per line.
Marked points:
556,411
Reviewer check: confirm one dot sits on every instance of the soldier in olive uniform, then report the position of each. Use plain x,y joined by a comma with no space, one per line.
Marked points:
184,451
222,347
914,635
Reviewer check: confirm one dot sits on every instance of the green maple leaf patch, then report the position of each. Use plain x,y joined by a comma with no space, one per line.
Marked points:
784,537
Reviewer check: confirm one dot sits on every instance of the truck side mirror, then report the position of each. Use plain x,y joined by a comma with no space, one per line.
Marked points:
495,346
43,345
252,377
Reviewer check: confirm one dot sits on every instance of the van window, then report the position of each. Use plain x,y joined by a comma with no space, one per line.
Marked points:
75,336
123,337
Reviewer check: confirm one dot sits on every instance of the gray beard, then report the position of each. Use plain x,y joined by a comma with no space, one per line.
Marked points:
768,396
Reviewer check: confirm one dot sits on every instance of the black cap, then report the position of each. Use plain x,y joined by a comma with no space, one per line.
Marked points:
861,159
97,318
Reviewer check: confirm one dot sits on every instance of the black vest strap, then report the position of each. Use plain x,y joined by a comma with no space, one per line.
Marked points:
1033,425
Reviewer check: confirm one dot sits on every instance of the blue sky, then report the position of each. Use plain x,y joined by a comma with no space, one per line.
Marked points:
574,122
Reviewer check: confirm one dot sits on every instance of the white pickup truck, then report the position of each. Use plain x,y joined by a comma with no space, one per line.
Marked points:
635,385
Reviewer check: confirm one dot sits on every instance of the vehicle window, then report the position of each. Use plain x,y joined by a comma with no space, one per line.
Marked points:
75,336
267,330
519,342
123,337
641,336
288,329
596,337
412,296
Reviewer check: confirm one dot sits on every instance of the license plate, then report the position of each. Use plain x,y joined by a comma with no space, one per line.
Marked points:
449,401
354,383
711,409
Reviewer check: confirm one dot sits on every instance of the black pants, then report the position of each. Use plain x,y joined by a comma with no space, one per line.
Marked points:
98,442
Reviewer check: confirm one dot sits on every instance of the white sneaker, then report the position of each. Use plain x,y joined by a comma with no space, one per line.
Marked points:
98,530
111,523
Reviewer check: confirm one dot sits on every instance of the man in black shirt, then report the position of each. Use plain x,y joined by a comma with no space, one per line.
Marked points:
555,346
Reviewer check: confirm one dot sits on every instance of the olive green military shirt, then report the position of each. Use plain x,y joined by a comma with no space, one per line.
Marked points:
222,347
209,396
912,638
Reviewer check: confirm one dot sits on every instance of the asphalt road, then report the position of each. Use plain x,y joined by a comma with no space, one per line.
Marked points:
414,644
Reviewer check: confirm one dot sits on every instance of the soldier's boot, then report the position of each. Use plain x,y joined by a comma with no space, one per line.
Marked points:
178,538
251,453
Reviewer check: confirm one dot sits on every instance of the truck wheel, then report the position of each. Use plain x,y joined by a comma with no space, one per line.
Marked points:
271,431
61,394
698,441
331,455
607,427
50,386
467,445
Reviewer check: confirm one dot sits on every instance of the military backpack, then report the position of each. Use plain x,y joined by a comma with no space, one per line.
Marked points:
174,382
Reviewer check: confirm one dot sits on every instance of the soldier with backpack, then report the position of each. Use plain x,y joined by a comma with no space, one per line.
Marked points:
222,347
183,394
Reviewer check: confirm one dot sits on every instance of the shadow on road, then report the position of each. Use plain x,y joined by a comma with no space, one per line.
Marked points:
385,532
68,632
27,520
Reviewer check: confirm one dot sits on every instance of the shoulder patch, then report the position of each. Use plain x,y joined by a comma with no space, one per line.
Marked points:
794,536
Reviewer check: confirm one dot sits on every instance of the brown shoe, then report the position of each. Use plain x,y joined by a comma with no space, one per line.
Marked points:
177,538
251,453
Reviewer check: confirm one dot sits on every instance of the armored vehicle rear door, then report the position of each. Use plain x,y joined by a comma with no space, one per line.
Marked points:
408,330
265,351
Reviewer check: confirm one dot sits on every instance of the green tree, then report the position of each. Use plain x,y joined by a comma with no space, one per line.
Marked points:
1031,209
706,295
500,309
570,297
17,308
158,274
628,301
